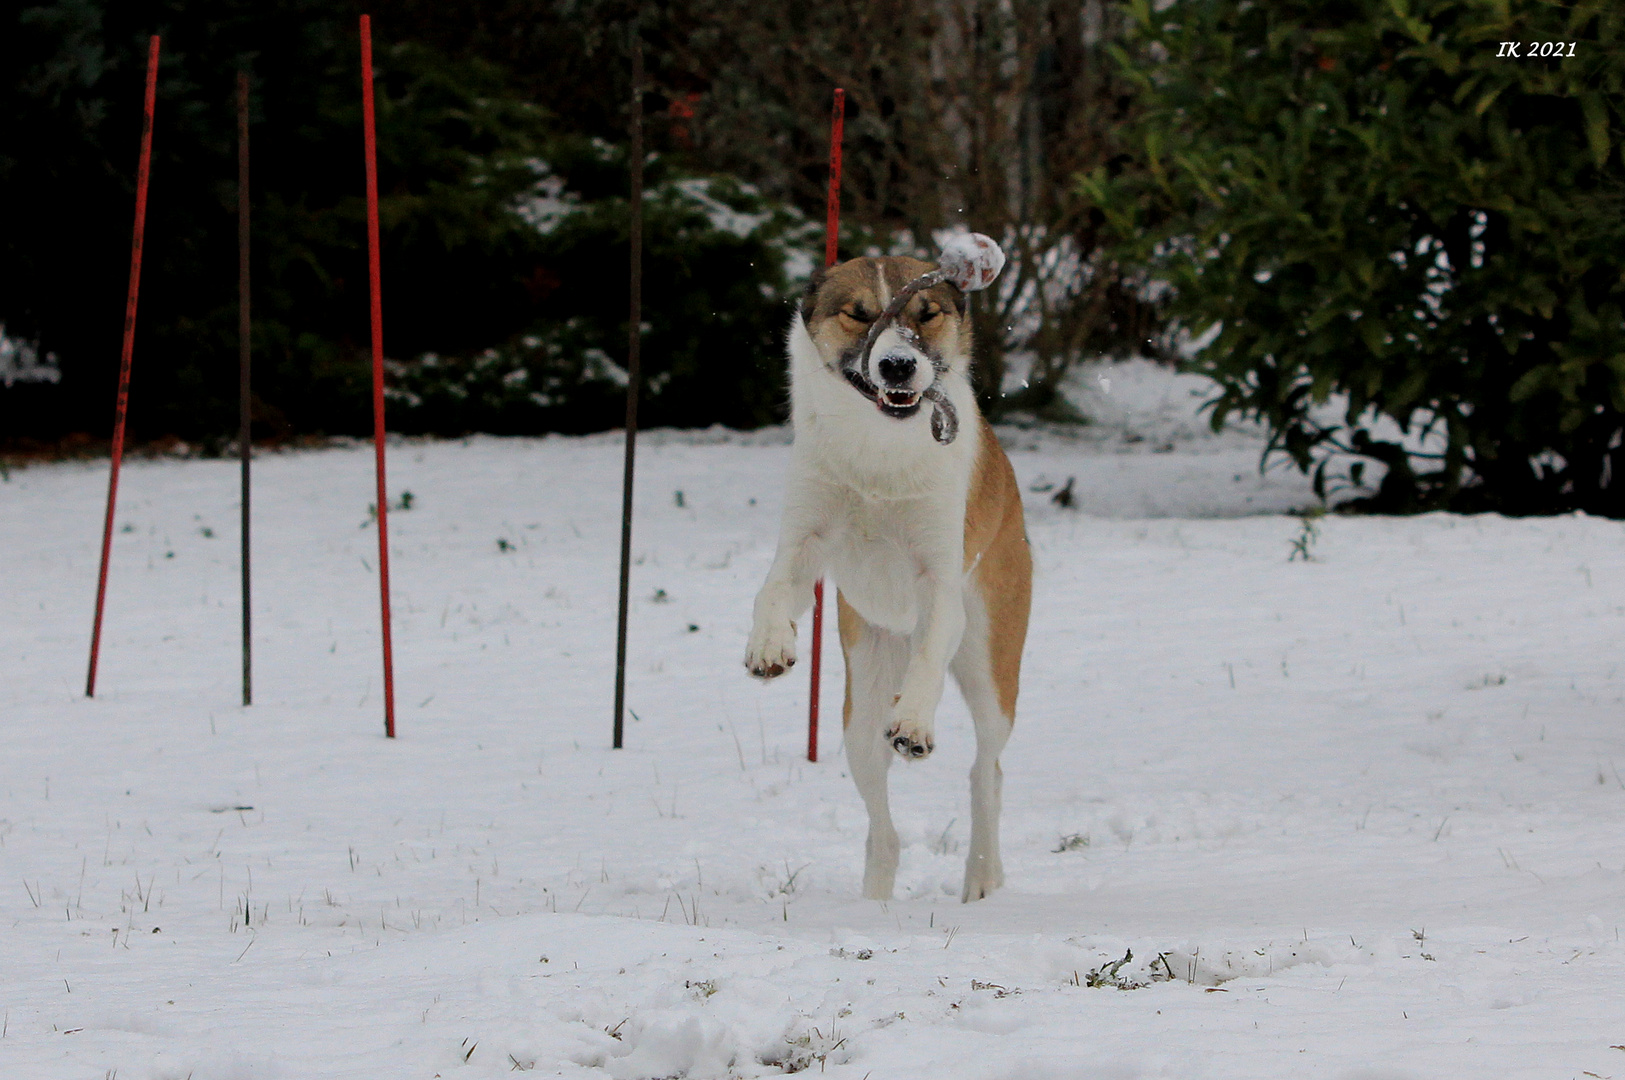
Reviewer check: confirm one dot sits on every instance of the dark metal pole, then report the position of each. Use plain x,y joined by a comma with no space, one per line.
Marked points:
633,373
243,445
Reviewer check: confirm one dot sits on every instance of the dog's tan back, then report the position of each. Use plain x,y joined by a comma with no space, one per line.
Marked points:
999,563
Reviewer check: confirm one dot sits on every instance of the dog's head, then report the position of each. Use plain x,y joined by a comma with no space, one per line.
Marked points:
930,337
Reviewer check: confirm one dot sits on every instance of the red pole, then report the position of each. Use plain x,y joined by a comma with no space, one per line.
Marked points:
377,368
832,214
832,228
121,406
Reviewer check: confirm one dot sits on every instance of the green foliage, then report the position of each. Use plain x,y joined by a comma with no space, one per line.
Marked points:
495,318
718,258
1378,210
451,142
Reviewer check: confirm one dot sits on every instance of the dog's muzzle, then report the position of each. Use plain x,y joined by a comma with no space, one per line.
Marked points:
902,402
896,393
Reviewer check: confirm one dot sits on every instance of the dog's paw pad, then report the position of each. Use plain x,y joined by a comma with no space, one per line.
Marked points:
908,746
771,655
769,671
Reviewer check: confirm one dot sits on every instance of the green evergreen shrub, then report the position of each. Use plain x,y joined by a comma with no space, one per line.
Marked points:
495,318
1379,210
719,262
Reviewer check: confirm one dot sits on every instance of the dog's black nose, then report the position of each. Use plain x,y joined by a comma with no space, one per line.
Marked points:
897,370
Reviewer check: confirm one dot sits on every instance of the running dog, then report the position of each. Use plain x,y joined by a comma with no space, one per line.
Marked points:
921,530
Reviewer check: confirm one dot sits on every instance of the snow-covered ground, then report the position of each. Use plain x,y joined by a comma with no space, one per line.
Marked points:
1359,817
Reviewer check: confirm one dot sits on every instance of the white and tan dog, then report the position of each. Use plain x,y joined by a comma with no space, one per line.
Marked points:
923,535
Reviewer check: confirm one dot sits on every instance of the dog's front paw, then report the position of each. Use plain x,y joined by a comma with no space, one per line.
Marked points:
772,650
911,738
912,732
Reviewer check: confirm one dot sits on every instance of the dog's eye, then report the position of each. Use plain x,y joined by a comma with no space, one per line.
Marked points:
928,314
858,313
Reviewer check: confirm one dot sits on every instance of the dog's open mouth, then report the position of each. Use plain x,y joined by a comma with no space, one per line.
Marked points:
899,403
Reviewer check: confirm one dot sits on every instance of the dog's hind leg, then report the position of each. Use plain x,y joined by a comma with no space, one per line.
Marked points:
984,871
986,668
875,662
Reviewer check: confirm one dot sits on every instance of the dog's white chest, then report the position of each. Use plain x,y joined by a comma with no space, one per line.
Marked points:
877,556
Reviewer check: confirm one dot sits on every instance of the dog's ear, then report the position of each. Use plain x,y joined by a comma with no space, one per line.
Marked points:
959,298
810,296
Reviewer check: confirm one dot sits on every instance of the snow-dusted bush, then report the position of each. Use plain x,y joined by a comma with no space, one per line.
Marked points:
503,225
1379,208
720,263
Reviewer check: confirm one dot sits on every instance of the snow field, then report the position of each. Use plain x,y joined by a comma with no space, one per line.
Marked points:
1358,817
